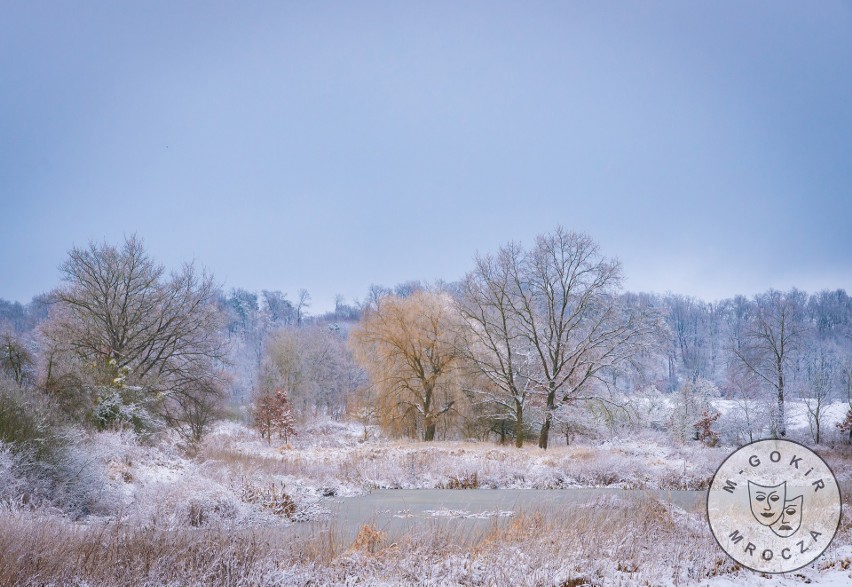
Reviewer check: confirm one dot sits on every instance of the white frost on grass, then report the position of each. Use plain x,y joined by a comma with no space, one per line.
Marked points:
351,467
237,481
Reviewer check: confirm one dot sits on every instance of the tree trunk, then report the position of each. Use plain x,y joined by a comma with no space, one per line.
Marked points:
817,431
780,426
429,423
519,425
544,436
429,434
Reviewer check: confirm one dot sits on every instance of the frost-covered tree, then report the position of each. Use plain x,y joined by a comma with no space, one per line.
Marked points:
280,310
831,313
574,319
771,337
495,345
561,299
119,322
689,322
303,302
313,366
15,358
749,416
821,368
244,311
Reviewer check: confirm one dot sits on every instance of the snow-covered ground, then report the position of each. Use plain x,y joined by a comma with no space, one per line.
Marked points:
279,498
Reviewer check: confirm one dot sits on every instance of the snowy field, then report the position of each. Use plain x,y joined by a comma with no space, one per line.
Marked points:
239,511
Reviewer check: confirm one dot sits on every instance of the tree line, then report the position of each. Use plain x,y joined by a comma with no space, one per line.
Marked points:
531,340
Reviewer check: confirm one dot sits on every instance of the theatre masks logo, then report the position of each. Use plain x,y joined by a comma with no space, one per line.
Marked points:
773,506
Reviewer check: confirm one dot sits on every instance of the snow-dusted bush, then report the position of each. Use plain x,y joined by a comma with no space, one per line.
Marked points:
121,407
28,424
688,404
17,490
651,408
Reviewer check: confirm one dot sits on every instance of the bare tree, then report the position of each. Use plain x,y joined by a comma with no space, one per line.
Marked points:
313,366
749,415
770,338
572,316
409,351
191,409
375,294
15,357
687,320
496,346
821,369
130,325
303,302
561,300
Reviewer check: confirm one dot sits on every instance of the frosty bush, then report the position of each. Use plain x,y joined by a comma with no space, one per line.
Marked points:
187,503
688,403
16,490
120,407
272,498
27,423
652,409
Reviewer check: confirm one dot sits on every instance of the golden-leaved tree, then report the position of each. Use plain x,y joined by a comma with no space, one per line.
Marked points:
409,348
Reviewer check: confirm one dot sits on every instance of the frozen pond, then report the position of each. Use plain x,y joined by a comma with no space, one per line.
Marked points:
397,511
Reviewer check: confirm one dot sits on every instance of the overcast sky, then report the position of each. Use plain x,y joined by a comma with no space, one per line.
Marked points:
328,146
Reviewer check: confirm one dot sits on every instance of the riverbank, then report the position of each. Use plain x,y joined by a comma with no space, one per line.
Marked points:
614,540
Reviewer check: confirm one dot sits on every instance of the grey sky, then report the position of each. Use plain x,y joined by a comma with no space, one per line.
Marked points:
708,145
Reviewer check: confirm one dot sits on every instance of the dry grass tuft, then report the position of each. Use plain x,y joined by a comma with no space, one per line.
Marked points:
273,499
369,539
465,481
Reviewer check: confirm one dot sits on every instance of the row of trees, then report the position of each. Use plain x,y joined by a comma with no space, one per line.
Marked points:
544,324
550,329
528,339
766,350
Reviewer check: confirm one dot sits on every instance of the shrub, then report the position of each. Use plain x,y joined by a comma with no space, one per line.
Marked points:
846,425
704,427
27,423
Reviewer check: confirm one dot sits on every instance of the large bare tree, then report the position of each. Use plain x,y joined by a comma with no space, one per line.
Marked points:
496,345
771,336
126,323
554,311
